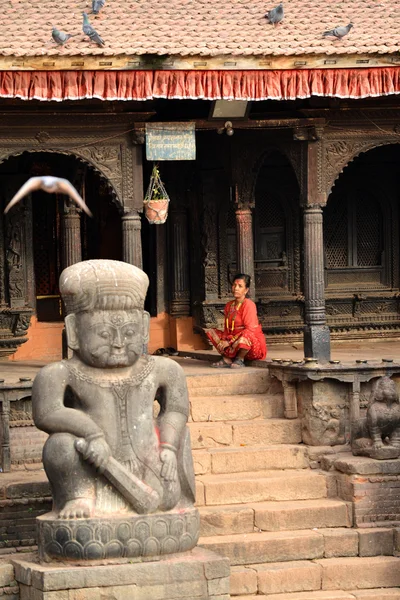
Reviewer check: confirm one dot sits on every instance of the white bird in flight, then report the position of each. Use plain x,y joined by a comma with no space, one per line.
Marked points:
51,185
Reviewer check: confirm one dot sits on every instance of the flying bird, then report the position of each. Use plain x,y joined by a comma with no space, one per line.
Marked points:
90,31
60,37
275,15
338,32
51,185
97,5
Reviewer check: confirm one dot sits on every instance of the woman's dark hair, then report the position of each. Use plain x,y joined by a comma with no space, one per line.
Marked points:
246,278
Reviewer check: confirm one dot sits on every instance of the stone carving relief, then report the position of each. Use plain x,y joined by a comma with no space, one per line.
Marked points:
15,259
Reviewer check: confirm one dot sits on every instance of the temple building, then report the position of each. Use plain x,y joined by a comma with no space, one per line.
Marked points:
295,178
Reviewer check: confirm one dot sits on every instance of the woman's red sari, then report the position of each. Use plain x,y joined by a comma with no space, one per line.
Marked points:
242,330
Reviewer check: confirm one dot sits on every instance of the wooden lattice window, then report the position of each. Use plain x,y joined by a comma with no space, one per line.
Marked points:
353,232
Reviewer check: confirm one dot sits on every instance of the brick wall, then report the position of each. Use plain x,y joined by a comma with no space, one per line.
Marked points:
375,498
26,444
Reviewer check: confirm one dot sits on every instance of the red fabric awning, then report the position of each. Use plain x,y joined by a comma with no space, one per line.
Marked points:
199,85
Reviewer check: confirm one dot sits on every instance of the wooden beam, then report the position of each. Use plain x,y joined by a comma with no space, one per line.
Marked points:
145,62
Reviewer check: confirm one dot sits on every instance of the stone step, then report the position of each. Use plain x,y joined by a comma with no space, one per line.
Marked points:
252,458
360,572
262,486
236,408
302,514
374,594
258,548
338,548
245,433
275,516
297,576
225,382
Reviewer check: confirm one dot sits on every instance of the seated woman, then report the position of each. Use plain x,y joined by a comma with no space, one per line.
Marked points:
242,336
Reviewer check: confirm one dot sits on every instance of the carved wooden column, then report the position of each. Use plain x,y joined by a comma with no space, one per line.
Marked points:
180,284
131,238
72,246
245,243
316,331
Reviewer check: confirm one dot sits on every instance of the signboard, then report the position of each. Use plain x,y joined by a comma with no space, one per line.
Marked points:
170,141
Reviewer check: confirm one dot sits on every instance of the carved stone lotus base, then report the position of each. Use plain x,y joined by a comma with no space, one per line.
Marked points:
113,537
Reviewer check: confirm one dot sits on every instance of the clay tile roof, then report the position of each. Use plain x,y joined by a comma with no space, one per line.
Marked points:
200,27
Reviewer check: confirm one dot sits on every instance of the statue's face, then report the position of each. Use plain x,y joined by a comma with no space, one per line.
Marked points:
110,338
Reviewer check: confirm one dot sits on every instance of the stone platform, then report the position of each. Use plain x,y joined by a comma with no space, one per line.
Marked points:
372,486
199,575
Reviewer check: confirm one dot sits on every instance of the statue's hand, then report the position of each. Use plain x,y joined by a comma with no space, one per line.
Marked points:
96,451
169,467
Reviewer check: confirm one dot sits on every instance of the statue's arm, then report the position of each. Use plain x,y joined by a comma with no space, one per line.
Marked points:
49,413
174,405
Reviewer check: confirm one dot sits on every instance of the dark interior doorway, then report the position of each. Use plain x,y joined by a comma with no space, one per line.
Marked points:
101,236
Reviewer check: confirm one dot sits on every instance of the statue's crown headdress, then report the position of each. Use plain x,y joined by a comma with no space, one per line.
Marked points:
103,285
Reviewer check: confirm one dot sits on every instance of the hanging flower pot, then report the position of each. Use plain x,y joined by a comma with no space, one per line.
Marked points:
156,200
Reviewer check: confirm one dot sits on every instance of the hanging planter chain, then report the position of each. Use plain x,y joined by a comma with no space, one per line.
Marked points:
156,200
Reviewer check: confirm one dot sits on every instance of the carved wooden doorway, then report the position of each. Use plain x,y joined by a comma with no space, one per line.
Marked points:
40,217
361,243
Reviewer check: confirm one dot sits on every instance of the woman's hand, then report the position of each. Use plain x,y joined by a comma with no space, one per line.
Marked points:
222,345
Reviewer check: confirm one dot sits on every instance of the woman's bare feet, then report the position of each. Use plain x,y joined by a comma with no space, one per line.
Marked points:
78,508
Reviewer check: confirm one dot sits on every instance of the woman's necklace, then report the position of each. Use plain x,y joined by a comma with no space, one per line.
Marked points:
234,308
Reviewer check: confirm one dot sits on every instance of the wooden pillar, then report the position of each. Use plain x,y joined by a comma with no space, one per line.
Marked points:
131,238
316,331
180,284
245,243
72,246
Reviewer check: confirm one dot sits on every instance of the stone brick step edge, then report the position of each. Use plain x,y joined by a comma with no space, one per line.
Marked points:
260,486
245,433
276,516
236,407
372,594
328,544
249,458
301,576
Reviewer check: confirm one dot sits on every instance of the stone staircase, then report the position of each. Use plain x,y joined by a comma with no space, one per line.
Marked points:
287,535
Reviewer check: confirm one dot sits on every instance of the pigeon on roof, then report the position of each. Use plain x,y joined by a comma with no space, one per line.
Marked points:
97,5
275,15
338,32
60,37
90,31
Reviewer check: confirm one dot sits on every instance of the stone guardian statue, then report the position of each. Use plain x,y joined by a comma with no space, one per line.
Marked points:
122,480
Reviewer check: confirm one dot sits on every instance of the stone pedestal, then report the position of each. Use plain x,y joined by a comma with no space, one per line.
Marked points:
372,486
198,575
115,537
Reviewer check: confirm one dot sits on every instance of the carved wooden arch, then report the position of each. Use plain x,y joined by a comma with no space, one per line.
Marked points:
338,154
259,162
6,153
